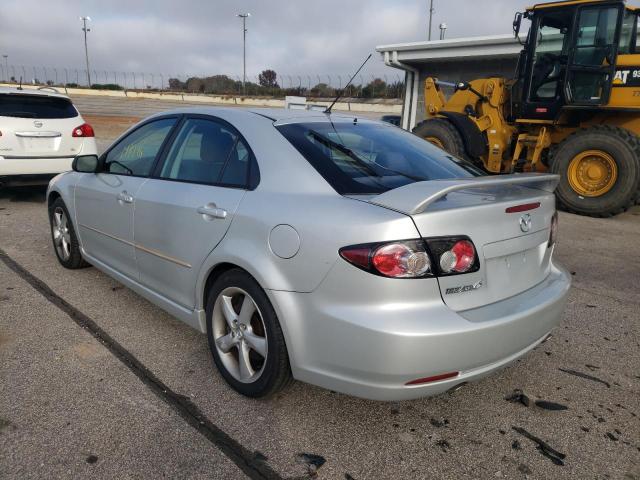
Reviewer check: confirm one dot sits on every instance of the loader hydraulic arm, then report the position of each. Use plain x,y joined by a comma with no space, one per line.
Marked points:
482,102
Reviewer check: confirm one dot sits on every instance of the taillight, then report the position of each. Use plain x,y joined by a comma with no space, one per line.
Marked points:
553,234
453,255
459,258
84,130
415,258
405,259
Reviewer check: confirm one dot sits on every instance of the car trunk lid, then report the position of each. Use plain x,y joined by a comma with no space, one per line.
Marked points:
508,218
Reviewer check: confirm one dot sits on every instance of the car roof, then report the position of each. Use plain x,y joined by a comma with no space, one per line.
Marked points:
275,115
31,91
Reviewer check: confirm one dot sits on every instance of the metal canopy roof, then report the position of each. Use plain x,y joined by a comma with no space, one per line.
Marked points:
459,49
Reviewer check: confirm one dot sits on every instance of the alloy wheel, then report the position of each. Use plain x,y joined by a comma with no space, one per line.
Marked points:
61,234
239,334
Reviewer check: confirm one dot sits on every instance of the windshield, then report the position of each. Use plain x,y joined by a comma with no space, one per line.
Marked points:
35,106
369,158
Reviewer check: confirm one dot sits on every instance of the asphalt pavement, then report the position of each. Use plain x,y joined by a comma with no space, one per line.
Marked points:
96,382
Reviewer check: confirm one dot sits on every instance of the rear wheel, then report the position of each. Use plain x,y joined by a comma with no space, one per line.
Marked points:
443,134
599,169
245,337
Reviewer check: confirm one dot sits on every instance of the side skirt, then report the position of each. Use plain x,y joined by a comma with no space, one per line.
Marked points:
194,318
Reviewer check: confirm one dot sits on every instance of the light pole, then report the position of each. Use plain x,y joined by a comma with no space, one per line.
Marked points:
443,28
86,50
430,17
6,66
244,17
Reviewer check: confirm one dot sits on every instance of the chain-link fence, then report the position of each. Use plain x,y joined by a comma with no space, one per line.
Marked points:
268,83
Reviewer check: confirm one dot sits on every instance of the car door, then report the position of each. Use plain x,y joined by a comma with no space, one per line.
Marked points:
592,62
186,209
105,201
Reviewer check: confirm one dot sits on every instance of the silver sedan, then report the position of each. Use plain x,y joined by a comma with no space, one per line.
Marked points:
338,251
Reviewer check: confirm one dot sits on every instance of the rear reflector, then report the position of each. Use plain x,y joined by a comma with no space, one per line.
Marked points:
523,208
435,378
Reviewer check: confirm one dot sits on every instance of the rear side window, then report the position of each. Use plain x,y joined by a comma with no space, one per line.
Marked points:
36,106
371,158
209,152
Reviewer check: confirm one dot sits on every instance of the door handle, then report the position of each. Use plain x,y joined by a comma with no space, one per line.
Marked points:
124,197
210,211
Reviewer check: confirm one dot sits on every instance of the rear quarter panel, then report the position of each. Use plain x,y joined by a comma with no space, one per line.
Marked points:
324,223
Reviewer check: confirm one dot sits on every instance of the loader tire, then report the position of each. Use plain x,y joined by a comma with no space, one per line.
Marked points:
443,134
599,170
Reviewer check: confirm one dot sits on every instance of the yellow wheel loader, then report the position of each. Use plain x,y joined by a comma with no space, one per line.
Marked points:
573,108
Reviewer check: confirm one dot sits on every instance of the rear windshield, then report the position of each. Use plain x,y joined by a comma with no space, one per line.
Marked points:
35,106
369,158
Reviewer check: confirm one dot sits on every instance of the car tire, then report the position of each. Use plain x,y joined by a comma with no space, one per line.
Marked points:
443,134
65,240
238,337
610,144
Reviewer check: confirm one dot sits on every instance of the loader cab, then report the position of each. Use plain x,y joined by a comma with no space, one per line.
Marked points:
569,58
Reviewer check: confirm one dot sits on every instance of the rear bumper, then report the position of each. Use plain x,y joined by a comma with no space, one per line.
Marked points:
13,167
372,350
25,180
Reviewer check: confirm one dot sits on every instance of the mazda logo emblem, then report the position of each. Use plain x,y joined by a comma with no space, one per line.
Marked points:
525,222
37,124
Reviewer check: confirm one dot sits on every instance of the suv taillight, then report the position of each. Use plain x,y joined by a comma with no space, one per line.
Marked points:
421,258
84,130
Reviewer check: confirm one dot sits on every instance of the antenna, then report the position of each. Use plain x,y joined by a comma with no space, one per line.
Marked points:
328,110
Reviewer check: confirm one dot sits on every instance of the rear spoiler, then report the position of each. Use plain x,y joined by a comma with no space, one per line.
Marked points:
416,197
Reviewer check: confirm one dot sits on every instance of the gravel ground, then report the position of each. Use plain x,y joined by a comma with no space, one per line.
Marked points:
147,402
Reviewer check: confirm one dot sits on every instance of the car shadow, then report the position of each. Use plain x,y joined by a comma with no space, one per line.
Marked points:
34,194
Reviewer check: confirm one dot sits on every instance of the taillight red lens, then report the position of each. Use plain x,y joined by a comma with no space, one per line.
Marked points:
406,259
401,260
357,255
84,130
553,234
460,258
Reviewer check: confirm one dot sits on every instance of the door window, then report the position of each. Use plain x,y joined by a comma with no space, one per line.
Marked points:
235,172
209,152
136,153
628,33
550,55
595,35
594,54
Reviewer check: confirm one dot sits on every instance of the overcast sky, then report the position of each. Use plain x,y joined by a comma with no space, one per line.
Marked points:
295,37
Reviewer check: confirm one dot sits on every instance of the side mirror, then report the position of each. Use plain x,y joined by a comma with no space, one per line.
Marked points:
86,164
517,20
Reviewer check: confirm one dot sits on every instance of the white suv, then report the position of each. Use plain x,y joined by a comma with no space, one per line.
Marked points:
40,134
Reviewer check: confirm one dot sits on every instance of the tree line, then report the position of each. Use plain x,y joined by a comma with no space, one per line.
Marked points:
268,85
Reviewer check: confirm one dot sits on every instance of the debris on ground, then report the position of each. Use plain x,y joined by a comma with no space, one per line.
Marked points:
543,447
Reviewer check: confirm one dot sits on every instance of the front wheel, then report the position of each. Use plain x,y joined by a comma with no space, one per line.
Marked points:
443,134
245,337
65,241
599,169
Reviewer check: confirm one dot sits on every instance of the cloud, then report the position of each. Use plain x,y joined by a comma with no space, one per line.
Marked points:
296,38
